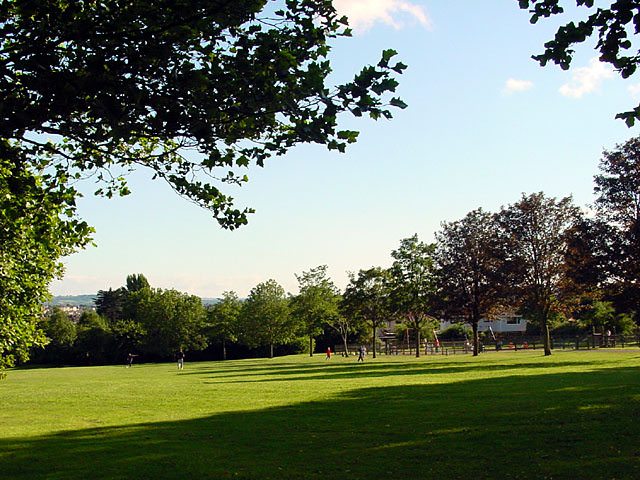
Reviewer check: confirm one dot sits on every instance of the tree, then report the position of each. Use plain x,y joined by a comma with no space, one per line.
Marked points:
316,303
136,282
223,319
60,329
61,333
195,91
615,28
366,297
467,259
266,318
413,284
617,204
172,321
591,244
343,324
235,81
94,343
534,241
111,303
37,226
128,337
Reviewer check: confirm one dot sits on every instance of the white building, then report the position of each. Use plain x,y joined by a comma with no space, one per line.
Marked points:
501,324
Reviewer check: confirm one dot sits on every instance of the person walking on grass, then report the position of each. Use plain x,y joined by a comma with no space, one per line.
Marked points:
130,359
361,353
180,357
328,357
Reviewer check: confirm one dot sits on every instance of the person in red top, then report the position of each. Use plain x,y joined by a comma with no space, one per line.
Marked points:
328,357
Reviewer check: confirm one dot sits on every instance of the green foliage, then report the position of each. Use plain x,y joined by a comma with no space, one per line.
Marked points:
566,328
136,282
534,234
468,259
615,29
91,319
37,226
456,331
317,302
60,329
367,298
158,323
413,284
128,337
111,303
223,319
94,342
172,320
223,316
601,316
625,324
113,88
617,189
266,318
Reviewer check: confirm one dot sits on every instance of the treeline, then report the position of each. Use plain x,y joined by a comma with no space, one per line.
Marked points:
540,257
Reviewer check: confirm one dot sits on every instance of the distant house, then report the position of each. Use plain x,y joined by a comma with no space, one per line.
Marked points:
506,323
73,311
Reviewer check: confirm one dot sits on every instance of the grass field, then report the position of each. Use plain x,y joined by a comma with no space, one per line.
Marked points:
501,415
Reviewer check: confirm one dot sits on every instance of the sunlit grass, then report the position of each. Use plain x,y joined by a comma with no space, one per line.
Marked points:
571,415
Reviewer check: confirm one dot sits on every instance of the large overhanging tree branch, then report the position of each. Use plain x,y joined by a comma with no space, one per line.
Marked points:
139,84
615,28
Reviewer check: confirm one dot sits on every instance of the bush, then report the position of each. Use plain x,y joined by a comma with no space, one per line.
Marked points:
457,331
570,328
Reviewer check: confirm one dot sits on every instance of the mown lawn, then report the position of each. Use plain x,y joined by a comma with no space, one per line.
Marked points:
501,415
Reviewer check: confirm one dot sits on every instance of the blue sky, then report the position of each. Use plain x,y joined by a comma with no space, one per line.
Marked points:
484,124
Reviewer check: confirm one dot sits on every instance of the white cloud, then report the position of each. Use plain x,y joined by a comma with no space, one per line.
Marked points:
634,90
512,85
363,14
586,79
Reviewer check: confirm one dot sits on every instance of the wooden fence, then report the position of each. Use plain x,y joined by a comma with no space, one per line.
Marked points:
462,347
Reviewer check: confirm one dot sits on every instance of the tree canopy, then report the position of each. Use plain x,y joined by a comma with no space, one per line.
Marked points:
467,261
366,297
535,242
89,86
413,283
317,302
617,189
224,318
266,318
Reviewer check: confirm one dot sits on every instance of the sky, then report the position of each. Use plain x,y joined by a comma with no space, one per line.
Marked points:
484,124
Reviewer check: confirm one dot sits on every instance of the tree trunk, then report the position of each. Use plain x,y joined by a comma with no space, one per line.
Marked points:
546,338
271,350
374,341
310,346
417,341
476,340
346,347
224,349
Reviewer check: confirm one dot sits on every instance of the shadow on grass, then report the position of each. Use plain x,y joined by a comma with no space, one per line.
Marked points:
568,425
327,371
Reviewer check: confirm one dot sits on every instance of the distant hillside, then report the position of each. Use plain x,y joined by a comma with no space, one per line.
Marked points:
75,300
87,300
